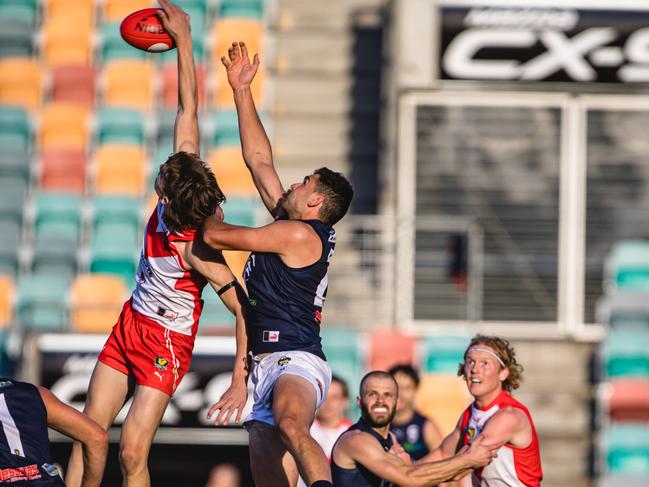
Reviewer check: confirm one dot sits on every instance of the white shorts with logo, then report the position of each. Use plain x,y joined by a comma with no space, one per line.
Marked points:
268,369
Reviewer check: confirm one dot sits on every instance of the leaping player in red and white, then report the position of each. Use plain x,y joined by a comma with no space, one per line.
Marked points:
151,345
491,372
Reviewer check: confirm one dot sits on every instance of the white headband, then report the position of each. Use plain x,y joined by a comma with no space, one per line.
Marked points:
486,350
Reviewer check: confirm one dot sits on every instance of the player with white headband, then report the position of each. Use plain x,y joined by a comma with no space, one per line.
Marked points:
491,372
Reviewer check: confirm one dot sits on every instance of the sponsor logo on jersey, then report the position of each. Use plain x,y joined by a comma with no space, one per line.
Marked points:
165,313
318,317
271,336
161,362
6,383
253,302
283,361
16,474
332,236
51,470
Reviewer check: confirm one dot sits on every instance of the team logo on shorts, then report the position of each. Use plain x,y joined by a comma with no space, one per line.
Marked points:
283,361
161,362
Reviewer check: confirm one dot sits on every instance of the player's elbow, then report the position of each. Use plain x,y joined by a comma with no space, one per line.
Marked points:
97,439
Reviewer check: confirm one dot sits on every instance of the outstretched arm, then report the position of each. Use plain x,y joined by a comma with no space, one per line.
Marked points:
76,425
255,145
186,134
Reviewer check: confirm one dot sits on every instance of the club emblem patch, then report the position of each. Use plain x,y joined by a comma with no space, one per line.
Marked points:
283,361
471,431
161,362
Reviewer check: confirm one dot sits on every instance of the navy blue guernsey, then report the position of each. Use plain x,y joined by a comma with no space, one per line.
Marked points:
24,444
411,436
360,476
286,302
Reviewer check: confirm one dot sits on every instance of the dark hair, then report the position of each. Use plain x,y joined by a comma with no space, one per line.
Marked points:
405,369
338,193
191,188
376,373
505,352
343,384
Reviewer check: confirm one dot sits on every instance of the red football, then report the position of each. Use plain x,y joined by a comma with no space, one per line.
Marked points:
143,29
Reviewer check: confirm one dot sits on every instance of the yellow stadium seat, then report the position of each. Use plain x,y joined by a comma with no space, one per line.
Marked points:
20,82
236,260
6,300
96,302
79,13
129,83
116,10
224,33
443,397
120,169
231,172
65,45
64,125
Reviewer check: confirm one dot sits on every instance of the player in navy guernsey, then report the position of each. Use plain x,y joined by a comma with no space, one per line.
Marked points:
286,277
368,454
26,411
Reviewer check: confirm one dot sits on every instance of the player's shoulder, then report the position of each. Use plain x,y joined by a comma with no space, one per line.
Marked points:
511,414
296,230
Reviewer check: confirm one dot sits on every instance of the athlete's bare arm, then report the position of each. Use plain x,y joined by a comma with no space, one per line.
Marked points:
76,425
213,267
176,23
449,446
357,447
255,146
509,425
296,242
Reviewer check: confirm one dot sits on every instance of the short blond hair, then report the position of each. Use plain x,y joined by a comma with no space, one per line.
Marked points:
505,352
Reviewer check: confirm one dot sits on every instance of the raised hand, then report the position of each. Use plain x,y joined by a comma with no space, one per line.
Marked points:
237,63
174,19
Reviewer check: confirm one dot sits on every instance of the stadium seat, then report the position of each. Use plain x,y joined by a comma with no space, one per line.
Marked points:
629,400
96,301
214,311
120,170
626,480
390,347
64,45
166,119
42,302
241,8
625,354
63,170
240,211
342,347
57,216
12,199
624,309
113,47
443,353
224,32
9,247
627,266
442,397
116,10
20,82
236,260
113,251
64,126
170,85
6,299
129,84
226,129
80,13
117,209
15,131
56,257
120,125
230,171
14,164
627,448
16,38
21,13
74,83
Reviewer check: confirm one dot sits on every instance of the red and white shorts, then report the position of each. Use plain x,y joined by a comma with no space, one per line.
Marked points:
156,356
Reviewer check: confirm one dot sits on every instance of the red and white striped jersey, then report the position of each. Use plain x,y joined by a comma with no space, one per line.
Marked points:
514,467
166,291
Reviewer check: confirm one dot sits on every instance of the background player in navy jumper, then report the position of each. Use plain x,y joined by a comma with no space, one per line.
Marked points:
286,278
25,412
368,455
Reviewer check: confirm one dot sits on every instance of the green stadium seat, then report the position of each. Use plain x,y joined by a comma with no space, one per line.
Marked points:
9,247
14,164
165,133
42,302
214,311
626,480
15,38
54,256
226,129
241,8
625,354
627,266
117,209
15,132
342,347
443,354
20,12
627,448
114,249
57,217
12,199
121,125
114,47
240,211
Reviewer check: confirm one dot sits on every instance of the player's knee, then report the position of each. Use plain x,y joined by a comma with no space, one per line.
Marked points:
132,457
291,430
